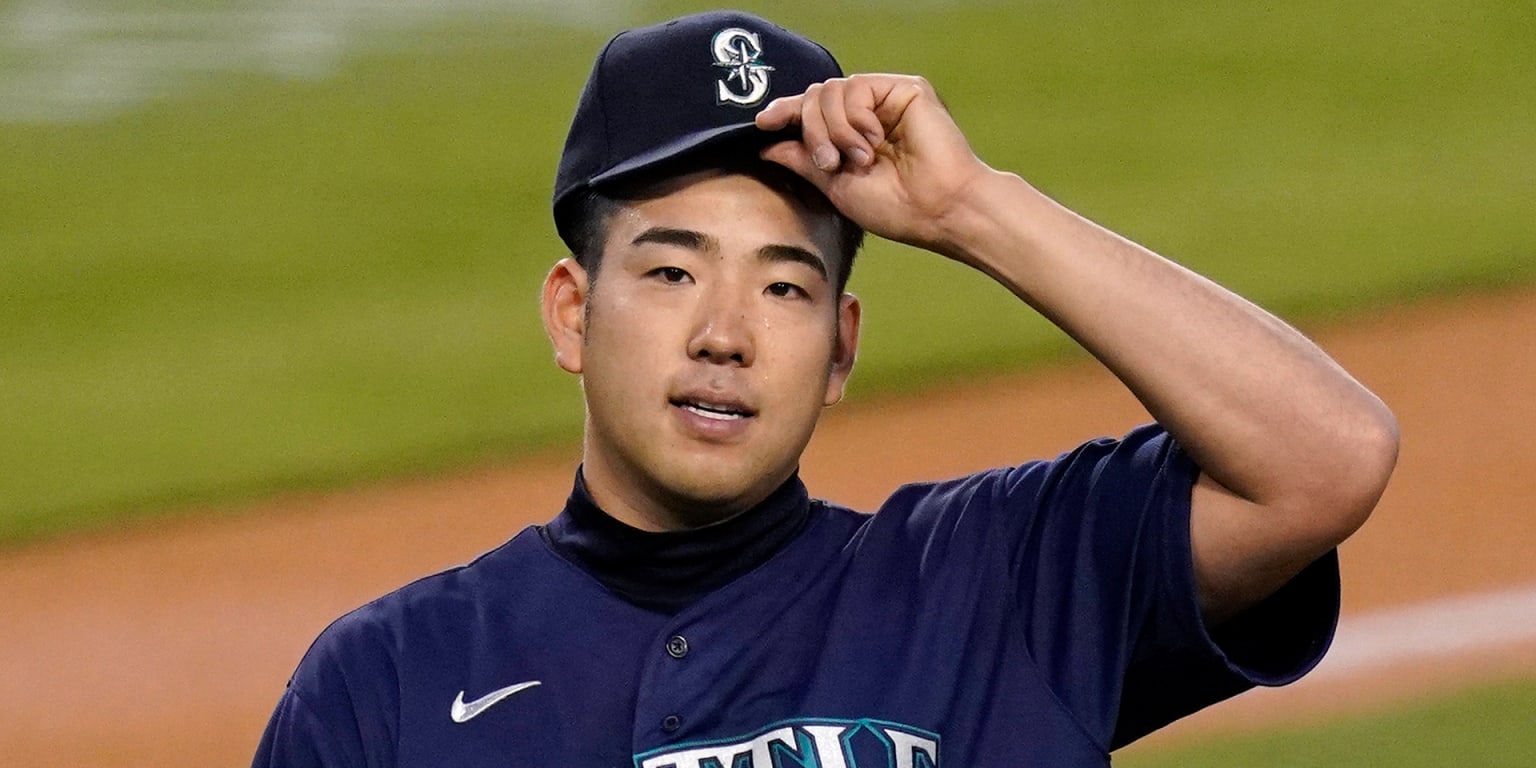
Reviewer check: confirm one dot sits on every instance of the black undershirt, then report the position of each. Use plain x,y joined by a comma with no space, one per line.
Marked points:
667,571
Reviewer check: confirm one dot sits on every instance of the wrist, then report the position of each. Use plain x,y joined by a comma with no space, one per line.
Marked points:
986,216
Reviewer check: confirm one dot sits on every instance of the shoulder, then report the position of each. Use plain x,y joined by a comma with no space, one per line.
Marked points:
1131,462
368,643
343,703
1100,500
1101,470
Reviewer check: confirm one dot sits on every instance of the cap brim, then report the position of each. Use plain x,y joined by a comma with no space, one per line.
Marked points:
684,147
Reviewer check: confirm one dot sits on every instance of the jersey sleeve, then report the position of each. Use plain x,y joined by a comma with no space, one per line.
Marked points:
340,709
296,738
1103,565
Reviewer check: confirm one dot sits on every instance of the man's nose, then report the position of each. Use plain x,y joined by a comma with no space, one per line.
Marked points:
723,331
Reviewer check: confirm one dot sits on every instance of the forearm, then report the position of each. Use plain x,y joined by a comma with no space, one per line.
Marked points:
1294,453
1262,410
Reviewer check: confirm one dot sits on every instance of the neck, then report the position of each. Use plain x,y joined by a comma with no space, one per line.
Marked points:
668,570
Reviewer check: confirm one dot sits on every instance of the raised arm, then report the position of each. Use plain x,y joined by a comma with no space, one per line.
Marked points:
1294,452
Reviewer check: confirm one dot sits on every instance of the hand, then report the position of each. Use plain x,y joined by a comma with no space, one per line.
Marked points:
883,149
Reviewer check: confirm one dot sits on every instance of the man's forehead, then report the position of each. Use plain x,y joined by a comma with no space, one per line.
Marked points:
737,209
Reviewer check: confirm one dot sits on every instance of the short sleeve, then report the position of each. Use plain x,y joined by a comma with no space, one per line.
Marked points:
1272,643
341,707
295,738
1106,589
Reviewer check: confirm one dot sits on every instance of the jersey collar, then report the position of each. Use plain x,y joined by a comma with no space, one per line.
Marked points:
668,571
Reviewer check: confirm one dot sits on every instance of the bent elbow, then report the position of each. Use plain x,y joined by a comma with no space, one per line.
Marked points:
1356,491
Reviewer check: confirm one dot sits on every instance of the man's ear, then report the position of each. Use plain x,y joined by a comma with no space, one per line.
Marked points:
564,306
845,347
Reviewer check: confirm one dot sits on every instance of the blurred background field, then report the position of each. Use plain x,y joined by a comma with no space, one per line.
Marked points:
249,247
254,246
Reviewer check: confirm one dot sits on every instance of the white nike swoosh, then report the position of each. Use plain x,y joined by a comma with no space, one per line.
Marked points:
462,712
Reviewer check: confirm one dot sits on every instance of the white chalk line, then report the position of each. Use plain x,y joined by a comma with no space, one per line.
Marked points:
71,60
1432,630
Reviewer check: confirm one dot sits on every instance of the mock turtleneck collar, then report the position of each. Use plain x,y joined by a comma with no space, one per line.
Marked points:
667,571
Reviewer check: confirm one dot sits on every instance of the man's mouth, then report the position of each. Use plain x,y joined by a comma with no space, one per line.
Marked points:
714,410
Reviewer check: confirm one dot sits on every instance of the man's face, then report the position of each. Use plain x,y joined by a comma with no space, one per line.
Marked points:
707,350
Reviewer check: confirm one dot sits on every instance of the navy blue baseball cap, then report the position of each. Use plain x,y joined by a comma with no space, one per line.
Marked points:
679,89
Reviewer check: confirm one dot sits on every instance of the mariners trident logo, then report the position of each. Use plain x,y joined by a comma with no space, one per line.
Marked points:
746,80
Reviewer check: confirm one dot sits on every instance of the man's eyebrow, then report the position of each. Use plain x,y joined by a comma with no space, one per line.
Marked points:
699,241
795,253
683,238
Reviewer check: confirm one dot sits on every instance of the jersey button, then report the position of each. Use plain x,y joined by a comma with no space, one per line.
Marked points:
671,723
677,646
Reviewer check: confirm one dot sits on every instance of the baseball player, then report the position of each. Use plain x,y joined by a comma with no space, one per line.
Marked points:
693,607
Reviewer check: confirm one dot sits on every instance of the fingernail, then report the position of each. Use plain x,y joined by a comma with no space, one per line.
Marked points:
860,157
874,139
825,157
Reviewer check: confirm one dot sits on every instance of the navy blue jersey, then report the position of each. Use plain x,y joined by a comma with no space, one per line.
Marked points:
1030,616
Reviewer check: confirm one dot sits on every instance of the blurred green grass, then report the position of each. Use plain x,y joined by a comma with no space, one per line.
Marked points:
266,284
1489,727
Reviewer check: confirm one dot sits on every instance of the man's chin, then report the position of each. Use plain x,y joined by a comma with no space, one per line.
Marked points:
709,497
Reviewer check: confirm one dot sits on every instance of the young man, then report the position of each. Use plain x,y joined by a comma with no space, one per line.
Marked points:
692,607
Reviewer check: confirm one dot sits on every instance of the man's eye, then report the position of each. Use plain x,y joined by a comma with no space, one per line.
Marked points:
786,290
670,274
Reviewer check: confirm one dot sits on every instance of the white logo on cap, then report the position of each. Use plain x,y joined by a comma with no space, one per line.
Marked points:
738,51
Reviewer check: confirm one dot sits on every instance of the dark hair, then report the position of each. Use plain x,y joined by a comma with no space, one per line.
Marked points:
590,212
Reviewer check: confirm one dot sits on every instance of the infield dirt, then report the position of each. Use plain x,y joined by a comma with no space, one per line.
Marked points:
167,644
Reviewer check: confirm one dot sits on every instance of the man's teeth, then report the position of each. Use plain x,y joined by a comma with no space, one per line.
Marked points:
711,412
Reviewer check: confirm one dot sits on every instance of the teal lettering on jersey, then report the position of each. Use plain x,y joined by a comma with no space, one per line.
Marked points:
807,743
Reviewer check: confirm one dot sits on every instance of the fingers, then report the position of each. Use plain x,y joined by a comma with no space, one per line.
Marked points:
814,131
890,106
843,139
843,119
861,104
